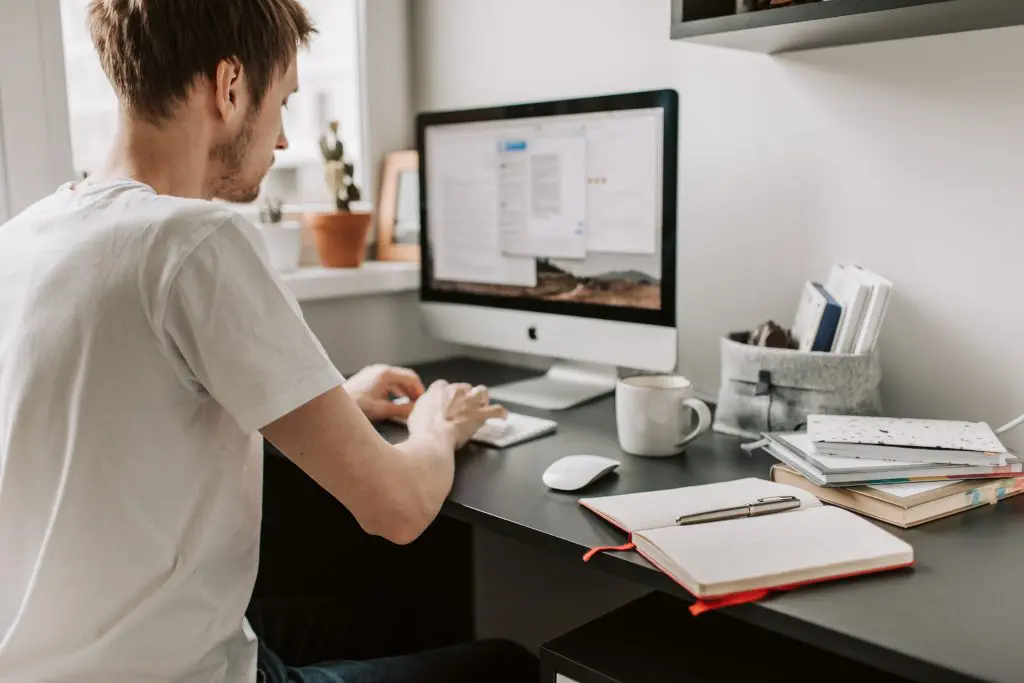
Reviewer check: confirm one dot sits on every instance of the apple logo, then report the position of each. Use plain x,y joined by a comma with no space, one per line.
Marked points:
532,332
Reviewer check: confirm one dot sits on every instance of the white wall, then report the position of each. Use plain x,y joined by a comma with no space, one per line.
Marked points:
373,329
904,156
386,86
5,200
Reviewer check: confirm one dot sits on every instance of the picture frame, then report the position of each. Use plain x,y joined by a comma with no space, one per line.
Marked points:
398,214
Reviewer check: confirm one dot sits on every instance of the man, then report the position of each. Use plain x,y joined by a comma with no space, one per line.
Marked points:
145,345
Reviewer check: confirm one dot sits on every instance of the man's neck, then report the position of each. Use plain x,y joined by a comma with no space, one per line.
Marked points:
172,159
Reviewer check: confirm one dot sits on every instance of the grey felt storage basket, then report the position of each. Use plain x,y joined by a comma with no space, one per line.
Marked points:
767,389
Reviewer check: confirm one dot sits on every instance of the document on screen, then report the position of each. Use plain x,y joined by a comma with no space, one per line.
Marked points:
542,200
624,166
463,214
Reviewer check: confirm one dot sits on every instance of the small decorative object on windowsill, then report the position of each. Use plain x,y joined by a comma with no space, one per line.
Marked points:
283,239
340,236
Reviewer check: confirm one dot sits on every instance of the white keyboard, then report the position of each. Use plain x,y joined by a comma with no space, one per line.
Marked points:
508,431
513,429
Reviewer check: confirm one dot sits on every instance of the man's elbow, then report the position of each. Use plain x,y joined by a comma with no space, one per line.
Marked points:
406,534
403,524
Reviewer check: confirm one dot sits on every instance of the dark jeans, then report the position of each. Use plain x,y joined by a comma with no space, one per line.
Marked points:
305,631
485,661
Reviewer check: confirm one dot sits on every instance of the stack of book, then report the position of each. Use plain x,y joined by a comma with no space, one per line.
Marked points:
902,471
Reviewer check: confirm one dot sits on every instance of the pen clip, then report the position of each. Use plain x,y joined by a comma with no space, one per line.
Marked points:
778,499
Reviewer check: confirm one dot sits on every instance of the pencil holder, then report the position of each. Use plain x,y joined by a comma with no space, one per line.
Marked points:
766,389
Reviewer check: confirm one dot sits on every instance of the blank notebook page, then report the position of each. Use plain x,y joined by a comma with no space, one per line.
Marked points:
779,549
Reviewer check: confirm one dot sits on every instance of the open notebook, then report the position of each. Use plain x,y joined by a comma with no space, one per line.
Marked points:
733,561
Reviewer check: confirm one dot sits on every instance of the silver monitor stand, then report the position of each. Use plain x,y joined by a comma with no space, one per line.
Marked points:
566,384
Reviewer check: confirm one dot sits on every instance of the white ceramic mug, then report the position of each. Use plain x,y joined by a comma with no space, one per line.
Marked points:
654,414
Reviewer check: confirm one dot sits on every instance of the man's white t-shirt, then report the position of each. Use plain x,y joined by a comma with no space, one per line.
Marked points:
144,341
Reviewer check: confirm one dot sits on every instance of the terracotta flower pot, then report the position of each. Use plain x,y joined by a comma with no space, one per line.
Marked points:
340,237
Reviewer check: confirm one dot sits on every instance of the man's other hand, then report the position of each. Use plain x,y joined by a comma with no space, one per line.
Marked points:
458,409
373,388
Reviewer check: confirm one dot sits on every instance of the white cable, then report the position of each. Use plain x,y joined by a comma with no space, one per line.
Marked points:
1011,425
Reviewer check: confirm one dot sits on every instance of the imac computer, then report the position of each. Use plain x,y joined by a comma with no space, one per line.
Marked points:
549,228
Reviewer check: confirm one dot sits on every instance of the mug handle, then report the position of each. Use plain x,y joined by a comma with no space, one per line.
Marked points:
703,419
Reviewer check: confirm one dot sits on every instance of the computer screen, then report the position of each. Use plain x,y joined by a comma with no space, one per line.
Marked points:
552,208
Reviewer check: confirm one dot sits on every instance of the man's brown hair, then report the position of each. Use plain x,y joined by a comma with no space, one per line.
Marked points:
153,51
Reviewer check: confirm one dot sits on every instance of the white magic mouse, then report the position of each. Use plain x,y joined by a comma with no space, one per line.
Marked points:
576,471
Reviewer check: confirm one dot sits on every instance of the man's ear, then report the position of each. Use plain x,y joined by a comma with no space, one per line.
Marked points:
228,89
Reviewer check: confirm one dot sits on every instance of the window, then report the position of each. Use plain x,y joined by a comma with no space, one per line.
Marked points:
328,90
92,106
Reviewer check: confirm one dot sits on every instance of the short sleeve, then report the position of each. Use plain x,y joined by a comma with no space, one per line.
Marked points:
241,333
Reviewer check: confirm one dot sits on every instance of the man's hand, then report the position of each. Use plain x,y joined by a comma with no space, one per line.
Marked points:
456,410
373,387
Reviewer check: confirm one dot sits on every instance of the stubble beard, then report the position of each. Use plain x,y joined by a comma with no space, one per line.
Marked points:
231,184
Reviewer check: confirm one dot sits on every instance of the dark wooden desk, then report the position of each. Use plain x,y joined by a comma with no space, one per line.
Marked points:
953,618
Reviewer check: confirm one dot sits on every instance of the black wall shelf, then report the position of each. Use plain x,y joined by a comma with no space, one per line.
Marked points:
835,22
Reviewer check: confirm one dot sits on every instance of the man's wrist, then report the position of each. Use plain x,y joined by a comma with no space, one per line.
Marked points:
445,433
442,435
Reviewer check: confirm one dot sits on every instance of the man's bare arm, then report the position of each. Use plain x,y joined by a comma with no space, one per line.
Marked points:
393,491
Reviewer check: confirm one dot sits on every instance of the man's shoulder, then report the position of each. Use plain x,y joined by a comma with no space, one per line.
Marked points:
211,236
179,225
132,213
177,231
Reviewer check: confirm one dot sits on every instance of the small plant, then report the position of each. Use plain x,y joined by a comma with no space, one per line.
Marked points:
271,212
338,172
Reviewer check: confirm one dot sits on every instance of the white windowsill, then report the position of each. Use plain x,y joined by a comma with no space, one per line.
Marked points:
373,277
252,211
